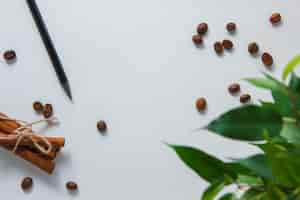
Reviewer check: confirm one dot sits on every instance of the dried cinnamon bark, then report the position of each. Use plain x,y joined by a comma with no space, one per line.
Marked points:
57,142
11,142
12,125
42,163
26,148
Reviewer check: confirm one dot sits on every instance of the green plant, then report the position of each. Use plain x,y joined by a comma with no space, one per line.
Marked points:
274,128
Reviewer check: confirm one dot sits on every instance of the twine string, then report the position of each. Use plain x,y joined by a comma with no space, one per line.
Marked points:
25,132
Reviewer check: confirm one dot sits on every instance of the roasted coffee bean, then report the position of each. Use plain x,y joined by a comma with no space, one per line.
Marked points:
47,115
48,111
234,88
48,108
231,27
101,126
253,48
275,18
245,98
202,28
267,59
9,55
71,186
197,39
227,44
26,183
38,106
218,47
201,104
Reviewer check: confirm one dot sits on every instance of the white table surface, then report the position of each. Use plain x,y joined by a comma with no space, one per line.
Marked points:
132,63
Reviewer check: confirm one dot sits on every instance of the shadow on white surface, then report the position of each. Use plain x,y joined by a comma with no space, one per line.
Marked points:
10,164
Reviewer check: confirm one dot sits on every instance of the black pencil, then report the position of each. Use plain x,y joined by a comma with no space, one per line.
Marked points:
50,47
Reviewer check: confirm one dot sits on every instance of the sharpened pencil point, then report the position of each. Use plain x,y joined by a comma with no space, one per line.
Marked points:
67,89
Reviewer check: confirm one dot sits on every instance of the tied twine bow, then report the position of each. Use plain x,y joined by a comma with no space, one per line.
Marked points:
25,132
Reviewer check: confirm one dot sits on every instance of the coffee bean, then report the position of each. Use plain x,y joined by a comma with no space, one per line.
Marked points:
218,47
275,18
231,27
38,106
202,28
101,126
71,186
234,88
47,115
267,59
227,44
9,55
26,183
197,39
48,108
48,111
253,48
245,98
201,104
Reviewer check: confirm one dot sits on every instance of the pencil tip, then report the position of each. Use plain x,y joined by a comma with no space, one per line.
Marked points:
67,89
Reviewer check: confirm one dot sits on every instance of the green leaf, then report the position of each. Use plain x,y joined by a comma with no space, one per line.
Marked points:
294,83
269,83
290,67
206,166
286,100
264,83
247,123
269,105
284,105
285,163
275,193
213,190
249,180
228,196
254,194
295,193
258,165
291,132
239,169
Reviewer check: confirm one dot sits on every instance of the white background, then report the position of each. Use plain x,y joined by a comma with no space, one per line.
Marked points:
132,63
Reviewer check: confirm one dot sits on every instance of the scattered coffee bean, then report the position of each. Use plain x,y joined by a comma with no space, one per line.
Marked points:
101,126
227,44
234,88
47,115
197,39
267,59
10,55
245,98
231,27
218,47
253,48
38,106
48,111
202,28
71,186
26,183
275,18
201,104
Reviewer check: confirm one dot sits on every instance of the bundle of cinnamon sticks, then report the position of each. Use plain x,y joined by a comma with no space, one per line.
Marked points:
26,149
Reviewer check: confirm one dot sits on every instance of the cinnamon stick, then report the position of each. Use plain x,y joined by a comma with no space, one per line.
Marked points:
57,142
50,156
8,126
26,150
5,128
42,163
11,142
